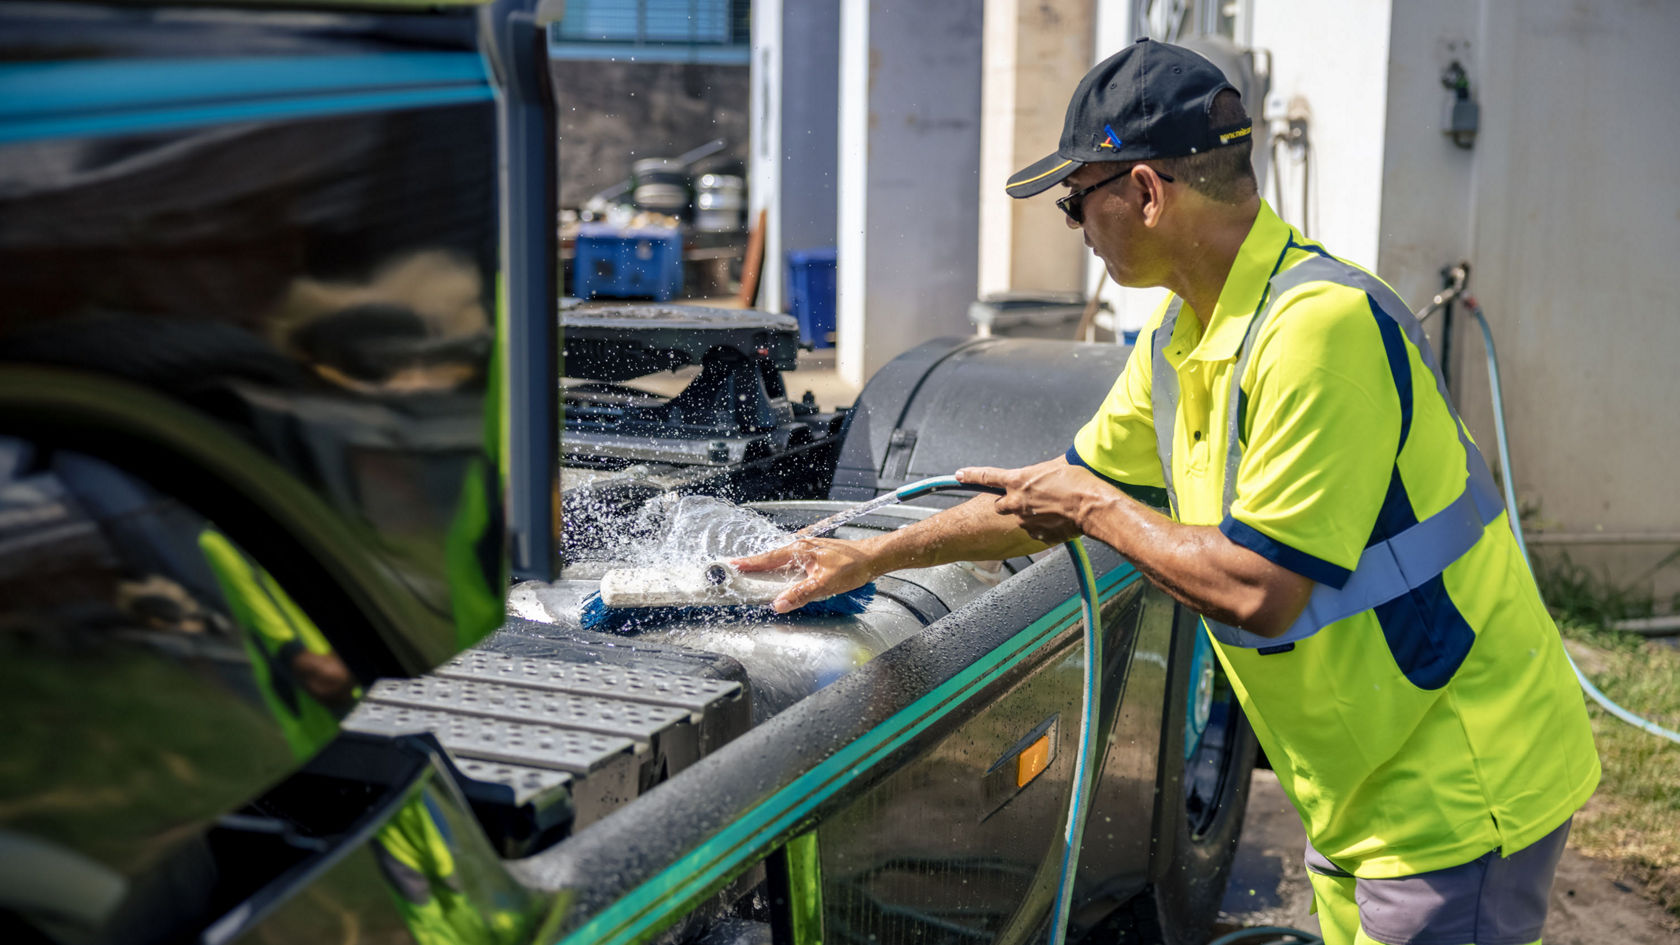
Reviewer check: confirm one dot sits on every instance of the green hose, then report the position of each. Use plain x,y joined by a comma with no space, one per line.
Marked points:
1084,765
1644,725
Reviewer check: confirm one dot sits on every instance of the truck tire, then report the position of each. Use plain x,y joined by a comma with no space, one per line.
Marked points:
1202,790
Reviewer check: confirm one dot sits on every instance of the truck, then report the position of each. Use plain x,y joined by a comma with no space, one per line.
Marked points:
305,472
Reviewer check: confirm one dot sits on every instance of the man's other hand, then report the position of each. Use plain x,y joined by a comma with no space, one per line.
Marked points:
1050,498
831,567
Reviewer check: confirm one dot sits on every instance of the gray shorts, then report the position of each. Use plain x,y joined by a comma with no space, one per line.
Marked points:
1491,900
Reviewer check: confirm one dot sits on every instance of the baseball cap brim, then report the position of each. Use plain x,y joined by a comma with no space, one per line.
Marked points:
1041,175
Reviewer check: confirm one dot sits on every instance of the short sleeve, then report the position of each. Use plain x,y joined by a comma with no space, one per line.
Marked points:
1322,417
1118,442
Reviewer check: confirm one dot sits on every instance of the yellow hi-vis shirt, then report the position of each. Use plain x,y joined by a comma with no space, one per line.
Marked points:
1394,771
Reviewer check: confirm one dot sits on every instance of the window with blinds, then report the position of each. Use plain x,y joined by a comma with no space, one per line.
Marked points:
653,30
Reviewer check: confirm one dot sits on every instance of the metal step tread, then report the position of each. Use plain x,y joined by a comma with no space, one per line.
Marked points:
523,785
593,679
641,721
471,736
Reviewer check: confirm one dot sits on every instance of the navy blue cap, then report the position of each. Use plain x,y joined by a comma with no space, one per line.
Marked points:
1149,100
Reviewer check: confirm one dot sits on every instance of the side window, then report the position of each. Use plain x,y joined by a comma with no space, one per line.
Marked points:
152,678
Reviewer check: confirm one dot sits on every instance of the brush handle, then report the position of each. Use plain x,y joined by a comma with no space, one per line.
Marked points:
714,584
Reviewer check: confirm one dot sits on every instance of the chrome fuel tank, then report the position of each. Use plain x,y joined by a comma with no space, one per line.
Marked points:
786,657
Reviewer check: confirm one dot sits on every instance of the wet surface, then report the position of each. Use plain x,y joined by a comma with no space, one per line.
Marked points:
1269,885
1268,880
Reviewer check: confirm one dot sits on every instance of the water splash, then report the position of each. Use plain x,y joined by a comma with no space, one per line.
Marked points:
701,528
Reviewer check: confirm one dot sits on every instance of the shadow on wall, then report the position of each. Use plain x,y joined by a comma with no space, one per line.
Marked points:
613,113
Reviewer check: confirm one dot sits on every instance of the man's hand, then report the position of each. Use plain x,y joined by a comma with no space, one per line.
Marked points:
1052,499
831,567
973,531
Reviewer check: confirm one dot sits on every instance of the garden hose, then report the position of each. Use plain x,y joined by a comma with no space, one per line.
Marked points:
1085,759
1500,438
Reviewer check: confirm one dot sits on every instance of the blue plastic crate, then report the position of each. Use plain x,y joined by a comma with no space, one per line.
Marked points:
810,280
625,264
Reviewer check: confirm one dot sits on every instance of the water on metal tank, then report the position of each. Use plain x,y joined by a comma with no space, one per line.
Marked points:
786,656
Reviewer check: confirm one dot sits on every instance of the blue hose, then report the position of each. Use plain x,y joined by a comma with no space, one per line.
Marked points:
1084,764
1644,725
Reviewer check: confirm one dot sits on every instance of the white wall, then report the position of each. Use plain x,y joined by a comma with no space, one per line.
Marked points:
999,133
910,165
1567,207
764,163
1331,56
1426,180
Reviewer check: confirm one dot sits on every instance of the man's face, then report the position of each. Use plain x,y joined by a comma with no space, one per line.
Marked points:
1113,225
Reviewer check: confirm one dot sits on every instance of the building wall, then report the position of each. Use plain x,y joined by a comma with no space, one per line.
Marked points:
1575,238
1426,184
614,113
1331,56
1328,57
1567,207
1036,51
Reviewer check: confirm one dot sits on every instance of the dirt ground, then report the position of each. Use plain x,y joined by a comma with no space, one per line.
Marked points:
1590,906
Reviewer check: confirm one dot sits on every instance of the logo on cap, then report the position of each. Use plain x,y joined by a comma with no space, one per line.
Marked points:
1112,141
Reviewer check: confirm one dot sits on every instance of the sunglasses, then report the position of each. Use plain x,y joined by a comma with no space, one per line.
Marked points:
1074,204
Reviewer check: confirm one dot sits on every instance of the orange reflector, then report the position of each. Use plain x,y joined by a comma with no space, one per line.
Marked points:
1032,761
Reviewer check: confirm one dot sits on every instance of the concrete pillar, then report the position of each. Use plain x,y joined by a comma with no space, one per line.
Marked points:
1036,51
909,173
795,148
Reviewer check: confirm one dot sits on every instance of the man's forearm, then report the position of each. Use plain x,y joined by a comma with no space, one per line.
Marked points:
973,531
1198,565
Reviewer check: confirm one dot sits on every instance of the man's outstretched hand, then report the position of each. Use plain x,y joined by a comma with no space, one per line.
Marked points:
831,567
1050,498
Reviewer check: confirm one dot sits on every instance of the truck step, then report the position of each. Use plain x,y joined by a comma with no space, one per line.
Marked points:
718,704
545,746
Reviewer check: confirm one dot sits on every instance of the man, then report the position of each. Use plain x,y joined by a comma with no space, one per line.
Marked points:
1331,521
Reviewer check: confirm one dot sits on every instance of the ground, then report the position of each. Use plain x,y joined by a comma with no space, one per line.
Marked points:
1590,905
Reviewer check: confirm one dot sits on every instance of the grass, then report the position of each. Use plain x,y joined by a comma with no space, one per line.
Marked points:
1634,819
1580,596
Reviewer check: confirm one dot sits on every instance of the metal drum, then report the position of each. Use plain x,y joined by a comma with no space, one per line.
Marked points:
661,185
719,203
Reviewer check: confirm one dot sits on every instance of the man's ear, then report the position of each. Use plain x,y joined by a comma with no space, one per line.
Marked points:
1152,191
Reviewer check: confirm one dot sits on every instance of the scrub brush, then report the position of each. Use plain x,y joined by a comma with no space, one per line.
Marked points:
632,597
